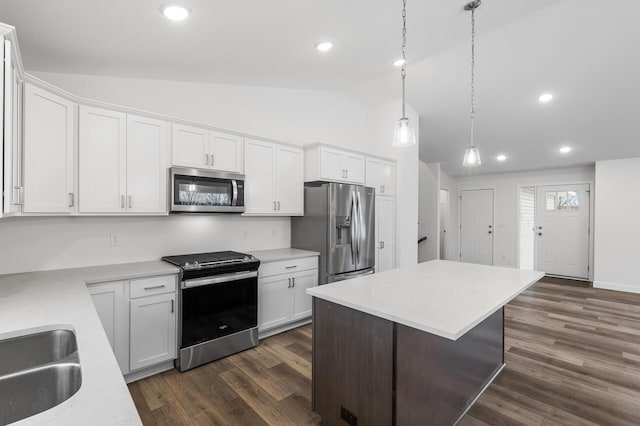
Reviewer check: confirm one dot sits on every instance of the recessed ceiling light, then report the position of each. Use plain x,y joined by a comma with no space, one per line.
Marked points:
175,12
324,46
545,97
501,157
399,62
565,149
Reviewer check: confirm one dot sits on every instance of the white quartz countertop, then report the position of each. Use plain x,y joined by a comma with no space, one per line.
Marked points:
440,297
282,254
38,300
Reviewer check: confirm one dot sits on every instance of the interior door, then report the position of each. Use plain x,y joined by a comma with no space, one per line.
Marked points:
562,230
476,226
147,176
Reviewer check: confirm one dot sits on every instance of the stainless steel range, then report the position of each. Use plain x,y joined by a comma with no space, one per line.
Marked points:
218,302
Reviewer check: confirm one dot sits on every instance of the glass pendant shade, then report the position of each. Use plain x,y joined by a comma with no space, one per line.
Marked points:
404,135
471,157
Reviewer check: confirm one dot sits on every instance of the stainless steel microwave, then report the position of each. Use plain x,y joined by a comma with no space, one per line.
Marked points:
205,191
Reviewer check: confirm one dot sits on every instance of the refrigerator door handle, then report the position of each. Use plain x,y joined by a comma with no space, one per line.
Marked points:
352,228
359,227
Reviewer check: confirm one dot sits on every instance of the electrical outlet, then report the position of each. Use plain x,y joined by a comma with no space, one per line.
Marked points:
348,417
114,239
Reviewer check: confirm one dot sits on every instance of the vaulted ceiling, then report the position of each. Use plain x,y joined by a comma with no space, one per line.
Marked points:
584,52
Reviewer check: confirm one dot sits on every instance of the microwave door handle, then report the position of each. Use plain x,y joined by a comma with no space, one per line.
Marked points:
234,198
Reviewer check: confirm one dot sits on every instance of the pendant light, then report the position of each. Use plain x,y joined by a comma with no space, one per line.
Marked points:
472,154
403,134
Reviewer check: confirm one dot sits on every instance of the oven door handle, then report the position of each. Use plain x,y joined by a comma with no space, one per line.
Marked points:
218,279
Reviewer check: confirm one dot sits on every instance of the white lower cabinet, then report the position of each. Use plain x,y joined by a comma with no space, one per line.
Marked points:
385,233
153,330
140,320
282,298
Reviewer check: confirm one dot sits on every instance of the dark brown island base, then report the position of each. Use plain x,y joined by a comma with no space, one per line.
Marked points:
371,370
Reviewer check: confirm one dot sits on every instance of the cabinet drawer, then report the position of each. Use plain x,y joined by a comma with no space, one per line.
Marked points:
288,266
154,285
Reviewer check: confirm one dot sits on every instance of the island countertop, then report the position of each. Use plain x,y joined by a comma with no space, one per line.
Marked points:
440,297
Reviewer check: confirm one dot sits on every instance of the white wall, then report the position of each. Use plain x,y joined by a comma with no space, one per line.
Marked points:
380,125
290,115
34,244
617,228
428,212
505,185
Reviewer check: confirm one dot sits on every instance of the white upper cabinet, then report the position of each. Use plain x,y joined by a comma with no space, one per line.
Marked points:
226,152
381,175
289,181
190,146
147,165
205,149
274,179
49,152
123,163
102,160
323,163
11,108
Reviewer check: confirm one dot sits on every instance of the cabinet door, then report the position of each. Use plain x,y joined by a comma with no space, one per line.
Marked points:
102,160
274,301
260,160
302,302
331,164
189,146
153,330
388,179
227,152
385,233
290,181
373,173
147,165
354,164
49,152
12,137
109,301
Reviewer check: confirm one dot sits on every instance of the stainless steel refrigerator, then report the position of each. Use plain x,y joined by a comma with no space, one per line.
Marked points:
338,222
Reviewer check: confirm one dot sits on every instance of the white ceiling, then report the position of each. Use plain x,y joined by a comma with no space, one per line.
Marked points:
583,51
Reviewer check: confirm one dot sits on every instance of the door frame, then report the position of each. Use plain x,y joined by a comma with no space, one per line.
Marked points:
591,218
493,220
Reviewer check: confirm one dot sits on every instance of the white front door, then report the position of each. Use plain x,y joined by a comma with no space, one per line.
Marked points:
562,230
476,226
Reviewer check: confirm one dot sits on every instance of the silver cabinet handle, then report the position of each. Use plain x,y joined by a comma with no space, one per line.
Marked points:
347,173
381,245
154,287
71,199
291,267
122,201
212,159
206,159
278,205
172,307
130,202
289,281
294,282
17,196
382,189
274,206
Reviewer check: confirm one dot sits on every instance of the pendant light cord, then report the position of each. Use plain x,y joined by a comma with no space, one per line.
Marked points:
473,71
403,70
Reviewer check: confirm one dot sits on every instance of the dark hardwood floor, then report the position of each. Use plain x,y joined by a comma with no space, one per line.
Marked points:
572,354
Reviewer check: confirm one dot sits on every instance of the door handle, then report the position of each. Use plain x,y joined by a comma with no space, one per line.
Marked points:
540,234
382,189
71,199
289,281
172,306
130,202
122,201
293,280
212,159
206,159
278,205
274,206
491,232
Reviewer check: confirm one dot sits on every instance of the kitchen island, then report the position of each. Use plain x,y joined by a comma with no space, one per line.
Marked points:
411,346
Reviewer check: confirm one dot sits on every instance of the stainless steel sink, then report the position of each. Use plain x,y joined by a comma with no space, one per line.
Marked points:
37,371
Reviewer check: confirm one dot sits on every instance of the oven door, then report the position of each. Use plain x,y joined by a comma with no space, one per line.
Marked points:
217,306
206,191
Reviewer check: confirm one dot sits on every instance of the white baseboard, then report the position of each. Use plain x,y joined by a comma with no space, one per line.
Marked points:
149,371
283,328
628,288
